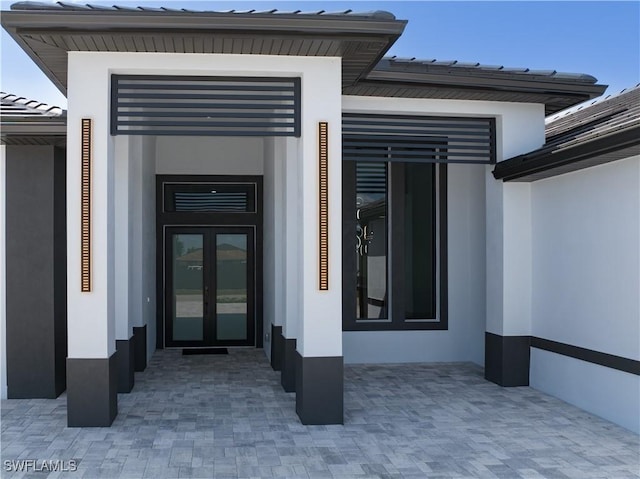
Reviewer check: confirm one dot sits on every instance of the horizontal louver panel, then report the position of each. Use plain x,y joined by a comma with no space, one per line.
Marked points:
427,139
222,202
205,106
371,178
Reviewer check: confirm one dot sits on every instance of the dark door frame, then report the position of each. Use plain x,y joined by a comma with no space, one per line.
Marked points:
210,282
166,219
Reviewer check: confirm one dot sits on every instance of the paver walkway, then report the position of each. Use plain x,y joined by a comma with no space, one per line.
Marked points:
228,417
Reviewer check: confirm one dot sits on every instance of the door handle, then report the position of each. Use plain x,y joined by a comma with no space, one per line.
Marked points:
206,301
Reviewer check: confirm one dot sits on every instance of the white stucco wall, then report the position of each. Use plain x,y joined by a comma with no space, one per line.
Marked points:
3,277
199,155
586,285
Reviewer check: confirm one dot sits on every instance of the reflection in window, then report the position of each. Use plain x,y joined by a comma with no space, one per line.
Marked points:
231,287
188,287
371,240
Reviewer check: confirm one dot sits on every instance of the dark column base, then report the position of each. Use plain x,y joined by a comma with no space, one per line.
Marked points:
92,398
506,359
288,377
125,360
277,347
320,390
140,348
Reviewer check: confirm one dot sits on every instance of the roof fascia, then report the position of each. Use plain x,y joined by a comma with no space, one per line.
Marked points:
119,20
520,167
34,128
490,83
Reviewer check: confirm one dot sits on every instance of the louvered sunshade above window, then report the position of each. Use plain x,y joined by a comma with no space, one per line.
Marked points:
204,106
422,139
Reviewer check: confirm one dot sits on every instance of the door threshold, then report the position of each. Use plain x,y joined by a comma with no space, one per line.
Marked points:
194,351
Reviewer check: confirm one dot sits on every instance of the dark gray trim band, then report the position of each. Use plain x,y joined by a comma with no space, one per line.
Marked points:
320,389
277,347
507,359
288,376
140,348
125,355
92,397
618,363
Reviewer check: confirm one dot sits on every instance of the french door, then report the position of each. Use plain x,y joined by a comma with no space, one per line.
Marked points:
209,285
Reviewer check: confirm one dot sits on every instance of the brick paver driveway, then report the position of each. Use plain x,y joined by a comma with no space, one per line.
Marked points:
227,416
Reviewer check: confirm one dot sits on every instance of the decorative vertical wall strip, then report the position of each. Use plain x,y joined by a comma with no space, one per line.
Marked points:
323,157
85,210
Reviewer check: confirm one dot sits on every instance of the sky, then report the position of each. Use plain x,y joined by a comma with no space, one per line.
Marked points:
600,38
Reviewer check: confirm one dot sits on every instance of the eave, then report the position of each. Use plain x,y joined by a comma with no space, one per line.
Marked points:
545,163
48,35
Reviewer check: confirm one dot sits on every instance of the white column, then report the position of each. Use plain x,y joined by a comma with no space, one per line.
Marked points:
292,266
90,315
92,380
509,255
135,251
320,332
279,236
122,256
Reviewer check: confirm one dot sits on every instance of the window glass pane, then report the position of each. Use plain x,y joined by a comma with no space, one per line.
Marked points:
188,287
231,287
371,240
420,241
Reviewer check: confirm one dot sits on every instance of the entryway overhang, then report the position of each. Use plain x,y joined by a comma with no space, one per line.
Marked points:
47,32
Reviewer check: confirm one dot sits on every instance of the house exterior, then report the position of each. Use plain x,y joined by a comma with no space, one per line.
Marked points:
272,180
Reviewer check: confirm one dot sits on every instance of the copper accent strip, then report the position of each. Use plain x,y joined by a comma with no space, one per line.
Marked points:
85,208
323,157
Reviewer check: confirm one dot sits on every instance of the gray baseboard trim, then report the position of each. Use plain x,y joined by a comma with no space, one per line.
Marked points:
507,359
320,390
627,365
125,352
288,371
92,398
277,347
140,348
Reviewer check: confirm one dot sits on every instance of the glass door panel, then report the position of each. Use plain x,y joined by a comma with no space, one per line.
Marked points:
231,287
188,287
209,287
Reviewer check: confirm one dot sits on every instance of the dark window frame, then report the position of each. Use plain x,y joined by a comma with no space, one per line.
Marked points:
395,268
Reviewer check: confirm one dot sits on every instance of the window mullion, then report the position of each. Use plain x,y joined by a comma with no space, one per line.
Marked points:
396,243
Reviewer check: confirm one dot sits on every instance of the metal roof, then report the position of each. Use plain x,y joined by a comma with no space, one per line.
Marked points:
18,106
59,6
598,132
48,31
430,78
30,122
